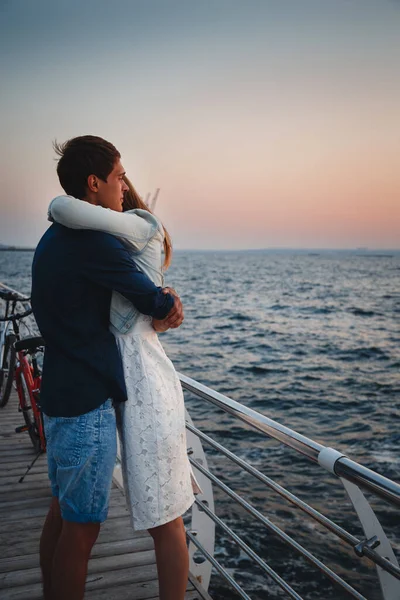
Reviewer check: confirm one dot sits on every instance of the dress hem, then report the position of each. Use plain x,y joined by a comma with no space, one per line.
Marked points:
165,520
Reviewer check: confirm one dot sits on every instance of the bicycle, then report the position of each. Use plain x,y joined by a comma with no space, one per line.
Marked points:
7,339
22,361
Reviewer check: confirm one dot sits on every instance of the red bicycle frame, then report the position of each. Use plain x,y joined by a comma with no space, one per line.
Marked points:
27,377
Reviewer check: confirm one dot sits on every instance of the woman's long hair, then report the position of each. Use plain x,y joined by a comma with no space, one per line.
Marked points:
133,200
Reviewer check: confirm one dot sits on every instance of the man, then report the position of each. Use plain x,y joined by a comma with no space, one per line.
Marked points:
73,275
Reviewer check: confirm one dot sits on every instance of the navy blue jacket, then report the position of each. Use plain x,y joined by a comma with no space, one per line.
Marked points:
73,275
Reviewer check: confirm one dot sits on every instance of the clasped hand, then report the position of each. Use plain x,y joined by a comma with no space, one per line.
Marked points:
175,316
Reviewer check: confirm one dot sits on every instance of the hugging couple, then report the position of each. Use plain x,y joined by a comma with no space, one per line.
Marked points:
99,301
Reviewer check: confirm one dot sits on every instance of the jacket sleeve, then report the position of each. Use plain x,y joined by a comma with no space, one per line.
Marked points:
107,263
136,227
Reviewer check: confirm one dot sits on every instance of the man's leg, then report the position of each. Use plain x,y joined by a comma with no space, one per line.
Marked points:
81,458
172,559
48,542
68,576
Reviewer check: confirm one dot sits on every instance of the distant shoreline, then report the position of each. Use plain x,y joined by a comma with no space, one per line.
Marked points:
15,249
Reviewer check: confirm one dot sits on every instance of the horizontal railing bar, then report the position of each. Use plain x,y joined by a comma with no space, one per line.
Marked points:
218,567
379,485
257,559
312,512
279,532
258,421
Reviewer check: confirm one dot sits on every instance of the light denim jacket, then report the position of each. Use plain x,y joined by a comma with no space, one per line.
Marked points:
141,233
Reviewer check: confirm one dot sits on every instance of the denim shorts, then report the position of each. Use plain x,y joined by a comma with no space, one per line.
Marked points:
81,454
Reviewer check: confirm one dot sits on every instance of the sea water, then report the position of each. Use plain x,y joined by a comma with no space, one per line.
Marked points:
311,339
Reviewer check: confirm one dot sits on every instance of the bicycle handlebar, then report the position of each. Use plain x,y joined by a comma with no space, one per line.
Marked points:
17,316
10,296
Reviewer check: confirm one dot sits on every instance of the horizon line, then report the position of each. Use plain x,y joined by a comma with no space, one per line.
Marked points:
359,249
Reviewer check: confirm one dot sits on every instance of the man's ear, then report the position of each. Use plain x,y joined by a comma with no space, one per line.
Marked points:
93,183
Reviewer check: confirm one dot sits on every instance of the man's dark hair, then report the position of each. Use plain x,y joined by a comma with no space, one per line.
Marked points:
83,156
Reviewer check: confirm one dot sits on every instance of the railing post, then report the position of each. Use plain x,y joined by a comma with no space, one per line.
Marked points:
375,536
201,525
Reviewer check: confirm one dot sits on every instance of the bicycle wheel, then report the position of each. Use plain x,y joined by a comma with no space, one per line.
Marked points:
27,411
7,369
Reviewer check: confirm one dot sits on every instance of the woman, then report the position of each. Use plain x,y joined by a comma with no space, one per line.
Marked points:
158,479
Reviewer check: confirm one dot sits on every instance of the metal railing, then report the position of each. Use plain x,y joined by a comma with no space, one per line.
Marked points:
344,467
375,546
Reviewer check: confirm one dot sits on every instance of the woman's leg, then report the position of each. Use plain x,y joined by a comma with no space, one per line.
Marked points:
172,559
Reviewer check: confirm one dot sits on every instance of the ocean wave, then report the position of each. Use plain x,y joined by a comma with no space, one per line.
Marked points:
279,307
258,370
360,312
240,317
361,354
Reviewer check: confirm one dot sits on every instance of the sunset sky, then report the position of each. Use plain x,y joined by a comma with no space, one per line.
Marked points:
266,123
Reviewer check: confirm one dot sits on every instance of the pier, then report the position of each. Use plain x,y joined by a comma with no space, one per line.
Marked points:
122,565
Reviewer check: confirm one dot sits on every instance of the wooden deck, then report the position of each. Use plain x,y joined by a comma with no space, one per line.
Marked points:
122,566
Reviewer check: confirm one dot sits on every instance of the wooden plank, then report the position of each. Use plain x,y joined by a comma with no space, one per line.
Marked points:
41,492
19,468
12,440
15,469
11,465
33,477
95,581
22,456
147,590
10,421
22,487
28,485
131,560
30,561
26,541
12,452
25,458
6,506
21,543
40,512
121,546
25,449
8,426
26,525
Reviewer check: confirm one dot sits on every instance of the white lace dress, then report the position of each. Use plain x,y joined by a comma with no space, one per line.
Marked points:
158,479
156,470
